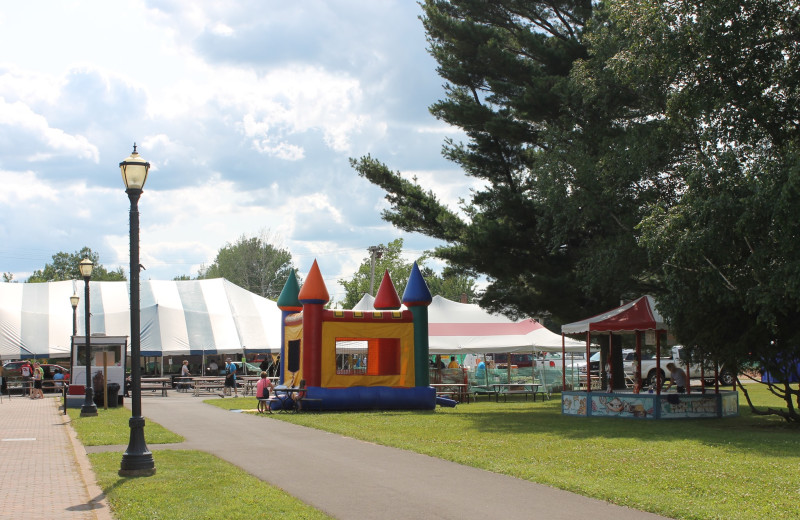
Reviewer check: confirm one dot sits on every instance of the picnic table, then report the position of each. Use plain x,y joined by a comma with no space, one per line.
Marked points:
506,389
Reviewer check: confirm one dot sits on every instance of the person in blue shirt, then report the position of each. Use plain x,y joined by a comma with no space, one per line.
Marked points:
480,372
230,378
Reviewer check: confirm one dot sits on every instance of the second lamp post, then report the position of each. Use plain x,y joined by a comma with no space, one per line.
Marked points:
88,409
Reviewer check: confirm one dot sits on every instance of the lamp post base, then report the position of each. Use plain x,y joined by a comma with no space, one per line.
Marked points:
137,461
137,472
89,409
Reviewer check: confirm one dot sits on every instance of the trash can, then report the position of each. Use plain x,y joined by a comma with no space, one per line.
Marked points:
113,394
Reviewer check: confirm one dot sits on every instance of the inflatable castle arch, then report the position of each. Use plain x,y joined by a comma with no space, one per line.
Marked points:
357,360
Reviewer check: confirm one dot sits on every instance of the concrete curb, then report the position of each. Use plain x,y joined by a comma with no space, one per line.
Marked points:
98,504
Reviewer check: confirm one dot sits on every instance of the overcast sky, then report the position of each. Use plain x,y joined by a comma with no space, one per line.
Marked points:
248,112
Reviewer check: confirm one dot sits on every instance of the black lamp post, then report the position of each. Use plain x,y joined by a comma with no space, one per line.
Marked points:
88,409
137,459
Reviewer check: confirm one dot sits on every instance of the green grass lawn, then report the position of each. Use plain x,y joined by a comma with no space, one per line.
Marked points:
744,467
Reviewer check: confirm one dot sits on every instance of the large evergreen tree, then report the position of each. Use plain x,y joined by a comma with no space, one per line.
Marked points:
568,163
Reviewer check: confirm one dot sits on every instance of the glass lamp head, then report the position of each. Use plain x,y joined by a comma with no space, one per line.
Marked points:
134,171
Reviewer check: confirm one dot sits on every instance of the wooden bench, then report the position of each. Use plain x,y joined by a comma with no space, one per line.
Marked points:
268,401
299,405
208,387
154,387
526,393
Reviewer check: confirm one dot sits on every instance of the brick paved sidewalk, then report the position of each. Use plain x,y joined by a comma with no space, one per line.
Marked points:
45,472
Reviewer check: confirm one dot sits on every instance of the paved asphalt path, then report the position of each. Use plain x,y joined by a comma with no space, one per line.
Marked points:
352,479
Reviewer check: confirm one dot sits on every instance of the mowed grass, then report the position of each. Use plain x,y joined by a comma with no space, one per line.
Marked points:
111,427
744,467
192,485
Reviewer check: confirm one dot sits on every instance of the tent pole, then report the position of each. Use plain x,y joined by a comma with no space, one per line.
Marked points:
610,374
563,363
638,374
658,363
588,367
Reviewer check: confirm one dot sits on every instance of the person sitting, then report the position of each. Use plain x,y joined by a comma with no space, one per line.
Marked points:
677,377
453,363
262,391
299,395
58,378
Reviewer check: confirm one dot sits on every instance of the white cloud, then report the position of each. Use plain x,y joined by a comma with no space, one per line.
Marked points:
19,117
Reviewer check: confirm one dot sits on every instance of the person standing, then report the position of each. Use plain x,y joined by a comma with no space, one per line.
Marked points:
27,376
230,378
262,391
38,376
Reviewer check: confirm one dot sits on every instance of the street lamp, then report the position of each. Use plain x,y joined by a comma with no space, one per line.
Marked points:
73,300
88,409
137,459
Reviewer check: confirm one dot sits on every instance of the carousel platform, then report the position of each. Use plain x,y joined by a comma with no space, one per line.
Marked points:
668,405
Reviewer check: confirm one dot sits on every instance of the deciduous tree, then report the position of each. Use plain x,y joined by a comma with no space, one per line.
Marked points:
254,263
65,266
450,284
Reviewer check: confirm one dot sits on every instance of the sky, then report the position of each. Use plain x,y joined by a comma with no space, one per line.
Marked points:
247,111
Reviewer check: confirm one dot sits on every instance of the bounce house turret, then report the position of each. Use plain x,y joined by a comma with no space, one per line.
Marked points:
288,303
313,296
417,298
387,298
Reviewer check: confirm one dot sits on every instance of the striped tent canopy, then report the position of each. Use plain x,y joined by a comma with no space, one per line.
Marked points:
177,317
461,328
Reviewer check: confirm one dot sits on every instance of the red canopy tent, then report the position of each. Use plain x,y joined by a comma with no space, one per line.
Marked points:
631,318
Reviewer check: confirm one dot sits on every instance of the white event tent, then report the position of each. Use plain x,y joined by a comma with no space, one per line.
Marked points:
177,317
464,328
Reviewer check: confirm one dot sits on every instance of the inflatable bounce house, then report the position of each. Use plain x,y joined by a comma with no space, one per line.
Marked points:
357,360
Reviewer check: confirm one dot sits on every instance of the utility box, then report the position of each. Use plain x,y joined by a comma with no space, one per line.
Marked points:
107,355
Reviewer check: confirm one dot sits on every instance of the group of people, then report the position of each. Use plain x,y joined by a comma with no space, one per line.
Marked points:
35,373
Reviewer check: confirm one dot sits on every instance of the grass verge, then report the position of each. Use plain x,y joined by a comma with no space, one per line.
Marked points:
743,467
111,427
187,484
192,485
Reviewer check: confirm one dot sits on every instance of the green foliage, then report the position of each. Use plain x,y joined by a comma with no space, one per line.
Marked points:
450,284
65,266
254,264
567,170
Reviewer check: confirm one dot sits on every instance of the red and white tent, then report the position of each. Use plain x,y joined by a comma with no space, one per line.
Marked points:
464,328
638,315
